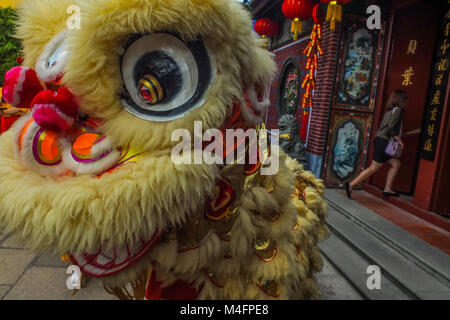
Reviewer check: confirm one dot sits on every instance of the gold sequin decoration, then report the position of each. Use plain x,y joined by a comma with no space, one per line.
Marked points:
299,192
192,234
216,280
268,185
270,288
265,249
225,236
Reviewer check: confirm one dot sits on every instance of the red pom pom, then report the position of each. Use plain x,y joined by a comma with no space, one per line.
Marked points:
55,110
21,86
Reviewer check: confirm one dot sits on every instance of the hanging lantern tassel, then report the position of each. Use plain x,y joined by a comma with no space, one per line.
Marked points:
334,13
266,28
266,41
296,28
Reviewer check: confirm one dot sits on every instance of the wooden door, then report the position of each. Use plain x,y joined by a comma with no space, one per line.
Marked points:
415,31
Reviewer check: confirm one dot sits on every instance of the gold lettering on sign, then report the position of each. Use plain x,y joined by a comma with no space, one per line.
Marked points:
407,77
444,47
439,79
428,145
436,98
412,47
447,29
431,129
442,64
434,114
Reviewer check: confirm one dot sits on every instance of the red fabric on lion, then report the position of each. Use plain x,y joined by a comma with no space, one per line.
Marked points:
21,86
180,290
54,110
7,122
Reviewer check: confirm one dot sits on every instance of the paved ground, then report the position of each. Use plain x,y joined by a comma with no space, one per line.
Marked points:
24,275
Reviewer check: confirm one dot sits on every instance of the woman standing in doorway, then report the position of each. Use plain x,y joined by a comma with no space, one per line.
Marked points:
390,127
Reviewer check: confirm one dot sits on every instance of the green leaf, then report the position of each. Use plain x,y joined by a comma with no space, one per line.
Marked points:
10,47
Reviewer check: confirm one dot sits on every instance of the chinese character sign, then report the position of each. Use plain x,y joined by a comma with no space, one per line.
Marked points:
412,47
409,73
407,77
437,91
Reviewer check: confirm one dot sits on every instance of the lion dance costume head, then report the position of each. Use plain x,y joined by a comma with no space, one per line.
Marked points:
88,172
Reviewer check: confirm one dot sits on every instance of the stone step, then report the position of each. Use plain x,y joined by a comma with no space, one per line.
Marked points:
333,286
432,260
353,267
402,266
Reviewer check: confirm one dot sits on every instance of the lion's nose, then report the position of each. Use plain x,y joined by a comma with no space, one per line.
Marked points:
55,110
55,84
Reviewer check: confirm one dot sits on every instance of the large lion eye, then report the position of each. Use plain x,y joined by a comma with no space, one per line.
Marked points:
58,51
164,77
51,63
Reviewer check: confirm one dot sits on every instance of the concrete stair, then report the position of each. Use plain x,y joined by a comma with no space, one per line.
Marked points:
410,268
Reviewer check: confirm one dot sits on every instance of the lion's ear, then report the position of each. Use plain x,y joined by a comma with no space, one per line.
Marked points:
39,22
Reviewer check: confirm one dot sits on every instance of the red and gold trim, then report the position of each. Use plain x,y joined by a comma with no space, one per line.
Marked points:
215,280
220,204
265,249
270,288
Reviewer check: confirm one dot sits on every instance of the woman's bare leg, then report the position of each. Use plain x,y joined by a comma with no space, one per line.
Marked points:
366,174
392,173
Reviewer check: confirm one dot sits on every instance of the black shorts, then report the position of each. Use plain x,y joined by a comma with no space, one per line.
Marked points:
379,154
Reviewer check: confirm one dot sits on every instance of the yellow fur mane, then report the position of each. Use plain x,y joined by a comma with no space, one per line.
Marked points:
78,214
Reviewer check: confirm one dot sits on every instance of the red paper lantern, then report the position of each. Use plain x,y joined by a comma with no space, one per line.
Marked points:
318,14
334,11
266,28
297,10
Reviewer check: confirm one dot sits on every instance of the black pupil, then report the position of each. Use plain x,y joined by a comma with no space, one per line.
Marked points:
164,69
